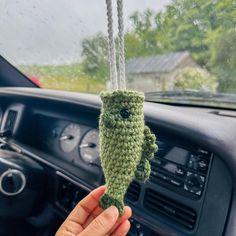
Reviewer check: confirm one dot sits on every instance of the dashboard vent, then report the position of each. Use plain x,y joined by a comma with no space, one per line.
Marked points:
10,121
133,192
69,194
171,210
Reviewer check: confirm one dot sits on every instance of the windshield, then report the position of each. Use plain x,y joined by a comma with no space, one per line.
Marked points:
170,46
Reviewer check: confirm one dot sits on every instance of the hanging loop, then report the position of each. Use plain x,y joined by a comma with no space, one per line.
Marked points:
111,44
118,81
121,51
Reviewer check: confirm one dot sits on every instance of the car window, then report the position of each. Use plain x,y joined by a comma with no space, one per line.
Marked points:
170,46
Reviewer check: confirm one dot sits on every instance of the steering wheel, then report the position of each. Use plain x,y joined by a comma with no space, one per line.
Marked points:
21,185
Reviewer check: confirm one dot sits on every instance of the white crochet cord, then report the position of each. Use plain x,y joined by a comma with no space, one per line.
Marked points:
121,51
111,43
117,82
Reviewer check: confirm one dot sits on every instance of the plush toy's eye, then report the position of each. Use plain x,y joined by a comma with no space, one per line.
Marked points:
125,113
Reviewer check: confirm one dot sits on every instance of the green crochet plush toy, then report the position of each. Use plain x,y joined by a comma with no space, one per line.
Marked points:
126,144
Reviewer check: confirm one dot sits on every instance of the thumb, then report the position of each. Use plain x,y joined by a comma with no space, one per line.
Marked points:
101,225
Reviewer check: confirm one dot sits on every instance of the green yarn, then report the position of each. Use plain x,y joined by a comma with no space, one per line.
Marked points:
126,144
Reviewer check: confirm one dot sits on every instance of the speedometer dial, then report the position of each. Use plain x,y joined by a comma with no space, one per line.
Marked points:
69,138
89,146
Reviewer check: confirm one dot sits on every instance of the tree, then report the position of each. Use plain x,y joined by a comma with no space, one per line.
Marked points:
202,27
185,25
226,50
197,79
224,61
94,53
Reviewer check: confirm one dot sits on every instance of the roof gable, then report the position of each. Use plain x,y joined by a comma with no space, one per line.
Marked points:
160,63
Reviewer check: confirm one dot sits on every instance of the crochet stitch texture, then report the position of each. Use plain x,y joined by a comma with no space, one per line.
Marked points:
126,144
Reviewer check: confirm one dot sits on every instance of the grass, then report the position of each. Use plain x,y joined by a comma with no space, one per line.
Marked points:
64,77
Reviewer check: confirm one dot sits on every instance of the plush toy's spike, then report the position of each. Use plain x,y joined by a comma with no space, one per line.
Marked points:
143,170
126,144
149,148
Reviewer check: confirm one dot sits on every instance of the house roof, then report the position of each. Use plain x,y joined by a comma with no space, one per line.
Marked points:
160,63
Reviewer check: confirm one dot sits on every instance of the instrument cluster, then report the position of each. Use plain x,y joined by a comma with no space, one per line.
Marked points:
71,138
73,142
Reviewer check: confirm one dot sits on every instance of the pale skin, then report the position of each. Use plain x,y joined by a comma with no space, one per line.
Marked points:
89,219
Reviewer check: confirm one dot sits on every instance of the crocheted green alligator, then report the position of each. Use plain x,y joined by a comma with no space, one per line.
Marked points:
126,144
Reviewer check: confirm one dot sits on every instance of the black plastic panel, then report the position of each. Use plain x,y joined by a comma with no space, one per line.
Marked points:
68,194
189,128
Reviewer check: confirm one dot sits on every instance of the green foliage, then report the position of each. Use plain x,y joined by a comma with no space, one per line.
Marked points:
223,61
72,71
197,79
94,53
226,79
143,39
64,77
205,28
185,25
226,50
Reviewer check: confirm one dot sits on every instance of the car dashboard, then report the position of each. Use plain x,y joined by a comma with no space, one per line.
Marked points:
191,187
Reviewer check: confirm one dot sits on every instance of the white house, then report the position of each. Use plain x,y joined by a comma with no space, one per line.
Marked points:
158,72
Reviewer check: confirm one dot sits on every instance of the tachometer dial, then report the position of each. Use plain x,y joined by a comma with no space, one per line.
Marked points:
69,138
89,146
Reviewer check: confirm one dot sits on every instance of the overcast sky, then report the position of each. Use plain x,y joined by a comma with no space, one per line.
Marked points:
50,31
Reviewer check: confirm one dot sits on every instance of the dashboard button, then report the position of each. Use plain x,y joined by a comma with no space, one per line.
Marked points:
198,193
202,165
138,226
73,204
158,162
160,176
76,196
180,172
175,182
194,183
165,178
153,173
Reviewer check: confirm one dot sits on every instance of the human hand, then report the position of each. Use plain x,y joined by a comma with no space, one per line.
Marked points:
88,219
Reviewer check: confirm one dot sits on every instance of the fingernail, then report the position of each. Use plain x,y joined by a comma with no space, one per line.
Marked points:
113,211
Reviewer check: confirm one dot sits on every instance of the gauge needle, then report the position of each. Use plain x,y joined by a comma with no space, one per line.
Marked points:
67,137
86,145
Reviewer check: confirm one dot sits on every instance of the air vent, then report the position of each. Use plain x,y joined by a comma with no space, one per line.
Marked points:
169,209
163,147
10,121
69,194
133,192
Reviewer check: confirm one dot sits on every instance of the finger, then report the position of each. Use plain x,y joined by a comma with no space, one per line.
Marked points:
73,223
69,228
63,232
86,206
98,210
123,229
103,223
126,215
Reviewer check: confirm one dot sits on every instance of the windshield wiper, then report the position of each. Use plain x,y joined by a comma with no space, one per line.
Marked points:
193,97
